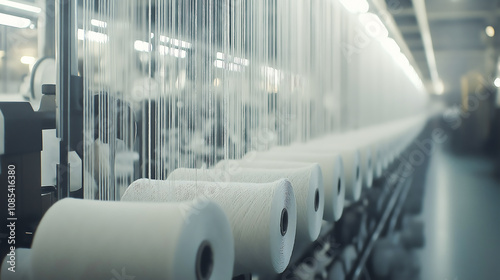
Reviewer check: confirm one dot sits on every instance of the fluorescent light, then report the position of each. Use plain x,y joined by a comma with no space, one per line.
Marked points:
237,60
402,59
391,46
271,72
20,6
356,6
490,31
413,76
172,51
439,87
2,53
180,83
219,64
92,36
229,66
97,37
234,67
28,60
81,34
373,25
175,42
98,23
241,61
179,43
216,82
497,82
221,56
14,21
142,46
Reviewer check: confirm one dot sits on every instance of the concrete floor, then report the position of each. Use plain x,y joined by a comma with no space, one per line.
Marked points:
462,216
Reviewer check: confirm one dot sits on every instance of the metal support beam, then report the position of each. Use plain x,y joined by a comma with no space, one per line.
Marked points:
421,14
67,65
453,53
3,58
464,15
409,29
449,16
47,29
387,18
406,12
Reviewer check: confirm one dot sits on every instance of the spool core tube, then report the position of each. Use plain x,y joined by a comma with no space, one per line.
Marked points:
316,200
284,222
204,261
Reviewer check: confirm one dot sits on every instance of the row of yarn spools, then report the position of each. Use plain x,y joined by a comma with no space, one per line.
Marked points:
251,215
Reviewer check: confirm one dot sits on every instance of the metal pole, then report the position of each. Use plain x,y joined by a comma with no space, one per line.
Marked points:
67,65
47,29
5,69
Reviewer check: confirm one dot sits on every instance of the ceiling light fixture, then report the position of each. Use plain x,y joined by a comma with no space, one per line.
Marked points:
439,87
98,23
497,82
20,6
28,60
356,6
92,36
490,31
13,21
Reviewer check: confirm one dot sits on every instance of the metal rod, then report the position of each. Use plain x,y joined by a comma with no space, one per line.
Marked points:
5,68
360,264
67,65
399,207
47,29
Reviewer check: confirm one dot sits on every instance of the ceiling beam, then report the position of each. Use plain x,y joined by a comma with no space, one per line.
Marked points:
450,16
414,44
405,29
390,23
464,15
453,52
423,23
405,12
